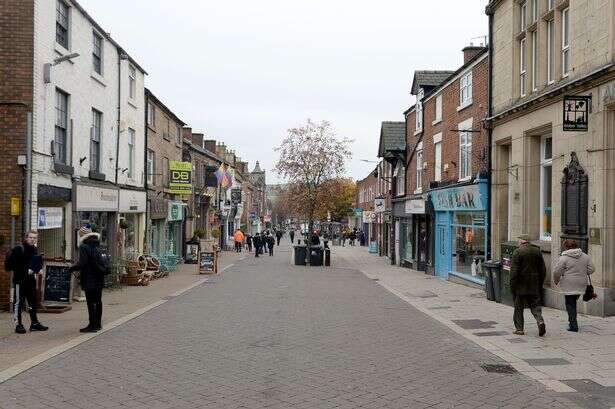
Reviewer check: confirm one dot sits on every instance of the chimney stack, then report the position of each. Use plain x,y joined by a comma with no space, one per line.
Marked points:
471,51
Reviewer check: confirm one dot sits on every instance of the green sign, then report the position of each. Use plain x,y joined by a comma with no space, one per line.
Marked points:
176,212
181,178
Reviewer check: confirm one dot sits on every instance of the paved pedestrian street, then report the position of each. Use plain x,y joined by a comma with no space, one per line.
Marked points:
265,334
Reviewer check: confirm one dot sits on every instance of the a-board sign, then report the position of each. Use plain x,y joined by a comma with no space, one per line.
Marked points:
57,283
192,253
207,262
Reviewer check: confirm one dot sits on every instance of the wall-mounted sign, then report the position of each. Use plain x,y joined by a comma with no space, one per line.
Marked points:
576,112
15,206
379,205
236,195
415,206
50,218
181,177
470,197
176,212
96,199
132,201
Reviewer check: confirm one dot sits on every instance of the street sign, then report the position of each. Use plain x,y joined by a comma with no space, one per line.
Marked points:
15,206
576,112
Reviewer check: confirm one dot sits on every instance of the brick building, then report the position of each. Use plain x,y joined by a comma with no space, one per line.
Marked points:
370,223
441,223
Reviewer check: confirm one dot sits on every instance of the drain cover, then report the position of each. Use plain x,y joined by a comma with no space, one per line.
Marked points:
498,368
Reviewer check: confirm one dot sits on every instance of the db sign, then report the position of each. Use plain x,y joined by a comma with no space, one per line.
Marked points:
181,178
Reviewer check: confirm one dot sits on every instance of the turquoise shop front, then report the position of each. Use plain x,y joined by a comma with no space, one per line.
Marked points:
461,231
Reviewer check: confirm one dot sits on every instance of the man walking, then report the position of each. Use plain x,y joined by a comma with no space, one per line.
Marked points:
92,269
527,276
249,242
238,237
25,262
257,244
278,235
292,236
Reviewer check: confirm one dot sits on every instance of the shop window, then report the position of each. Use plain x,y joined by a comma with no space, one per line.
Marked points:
129,226
546,187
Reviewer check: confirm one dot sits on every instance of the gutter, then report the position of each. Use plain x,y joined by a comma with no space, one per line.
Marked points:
489,134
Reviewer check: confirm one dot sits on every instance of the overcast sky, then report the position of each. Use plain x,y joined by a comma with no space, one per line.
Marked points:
244,71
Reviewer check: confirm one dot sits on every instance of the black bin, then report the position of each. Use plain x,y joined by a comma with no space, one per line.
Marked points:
327,257
316,256
300,254
494,273
489,285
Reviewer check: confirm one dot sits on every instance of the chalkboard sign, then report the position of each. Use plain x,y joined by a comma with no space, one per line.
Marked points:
57,283
207,262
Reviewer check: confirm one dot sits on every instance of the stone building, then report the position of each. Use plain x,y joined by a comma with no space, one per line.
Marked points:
553,109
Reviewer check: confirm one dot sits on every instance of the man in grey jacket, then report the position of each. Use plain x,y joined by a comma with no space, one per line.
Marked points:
570,273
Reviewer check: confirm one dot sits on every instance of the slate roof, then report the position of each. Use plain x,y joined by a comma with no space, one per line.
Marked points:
392,137
428,79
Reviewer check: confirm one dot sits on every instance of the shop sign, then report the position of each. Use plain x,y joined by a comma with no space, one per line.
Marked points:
181,178
176,212
252,215
576,112
459,198
358,212
369,216
50,218
379,205
415,206
236,195
132,201
97,199
158,209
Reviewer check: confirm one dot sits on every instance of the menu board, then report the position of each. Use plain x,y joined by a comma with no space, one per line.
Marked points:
57,283
207,262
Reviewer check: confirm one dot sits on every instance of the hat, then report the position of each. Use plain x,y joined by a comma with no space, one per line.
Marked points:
524,237
84,230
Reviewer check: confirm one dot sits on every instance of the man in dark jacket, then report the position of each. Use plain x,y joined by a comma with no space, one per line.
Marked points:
257,244
249,242
527,276
291,233
278,235
92,276
25,262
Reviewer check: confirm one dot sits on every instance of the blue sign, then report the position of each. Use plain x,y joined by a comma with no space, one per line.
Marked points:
462,198
358,212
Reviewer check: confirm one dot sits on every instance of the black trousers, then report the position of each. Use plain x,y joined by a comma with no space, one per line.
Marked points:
271,249
25,291
527,301
279,240
238,246
571,308
250,247
95,307
258,251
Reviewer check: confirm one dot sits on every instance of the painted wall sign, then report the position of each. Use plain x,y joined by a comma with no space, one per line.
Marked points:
50,218
180,177
471,197
95,198
415,206
576,112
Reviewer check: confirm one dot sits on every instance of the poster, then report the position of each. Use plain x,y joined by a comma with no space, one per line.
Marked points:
50,218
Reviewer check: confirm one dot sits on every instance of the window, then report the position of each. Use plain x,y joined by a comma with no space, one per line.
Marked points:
178,135
551,4
522,70
167,129
61,127
565,42
132,82
465,154
438,161
165,171
62,23
419,116
131,153
546,184
550,48
534,5
438,108
97,53
419,167
465,89
151,167
523,17
534,61
151,114
401,179
95,131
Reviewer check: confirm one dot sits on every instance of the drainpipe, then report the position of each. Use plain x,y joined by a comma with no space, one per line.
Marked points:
119,104
148,200
489,131
28,185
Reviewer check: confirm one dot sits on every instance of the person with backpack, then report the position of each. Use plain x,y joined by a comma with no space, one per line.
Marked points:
25,263
93,265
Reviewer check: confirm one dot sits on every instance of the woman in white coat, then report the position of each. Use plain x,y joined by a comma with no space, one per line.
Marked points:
571,272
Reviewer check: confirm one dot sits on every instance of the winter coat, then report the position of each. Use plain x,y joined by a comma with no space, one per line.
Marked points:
249,240
238,236
528,271
90,276
571,271
19,261
258,243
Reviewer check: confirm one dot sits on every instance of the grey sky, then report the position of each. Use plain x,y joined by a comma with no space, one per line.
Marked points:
245,71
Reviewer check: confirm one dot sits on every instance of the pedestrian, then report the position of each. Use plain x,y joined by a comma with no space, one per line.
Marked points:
527,276
315,241
344,235
270,243
249,242
571,273
257,244
353,237
278,236
92,269
265,240
292,236
25,263
238,237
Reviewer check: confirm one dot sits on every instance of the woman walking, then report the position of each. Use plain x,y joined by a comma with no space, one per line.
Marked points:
571,273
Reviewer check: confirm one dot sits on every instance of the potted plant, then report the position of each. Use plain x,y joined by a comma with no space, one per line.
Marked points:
124,224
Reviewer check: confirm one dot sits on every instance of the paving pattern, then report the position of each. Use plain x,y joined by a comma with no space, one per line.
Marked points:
265,334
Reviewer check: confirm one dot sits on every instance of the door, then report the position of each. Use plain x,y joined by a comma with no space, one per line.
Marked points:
443,242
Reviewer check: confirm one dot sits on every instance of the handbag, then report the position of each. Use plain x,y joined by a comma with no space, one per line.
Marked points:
589,291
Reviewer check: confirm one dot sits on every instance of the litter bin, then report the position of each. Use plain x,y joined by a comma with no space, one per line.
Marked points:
300,255
316,256
507,250
327,257
489,285
494,273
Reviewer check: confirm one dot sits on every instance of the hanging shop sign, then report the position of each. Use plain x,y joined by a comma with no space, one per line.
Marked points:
181,178
415,206
369,216
576,112
132,201
470,197
379,205
50,218
236,195
358,212
176,212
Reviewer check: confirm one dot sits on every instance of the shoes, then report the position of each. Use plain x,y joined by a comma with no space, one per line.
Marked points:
542,330
519,332
573,329
88,329
19,329
38,327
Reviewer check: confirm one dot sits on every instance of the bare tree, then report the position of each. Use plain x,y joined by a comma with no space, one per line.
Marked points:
309,157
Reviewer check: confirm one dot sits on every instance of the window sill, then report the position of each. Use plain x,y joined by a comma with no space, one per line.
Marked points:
133,103
151,127
63,169
418,132
59,49
436,122
417,191
466,179
532,27
549,15
98,78
464,106
96,175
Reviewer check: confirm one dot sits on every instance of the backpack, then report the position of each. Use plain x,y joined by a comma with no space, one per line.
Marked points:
102,262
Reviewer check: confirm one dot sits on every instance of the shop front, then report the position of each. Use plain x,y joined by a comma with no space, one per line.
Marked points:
173,231
132,208
53,225
413,233
97,206
158,210
461,231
